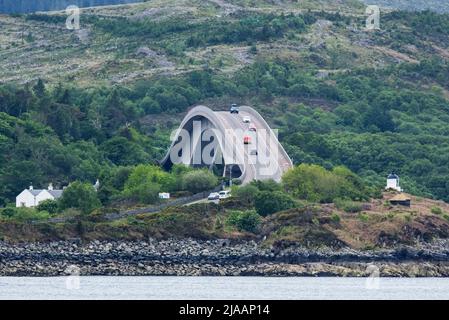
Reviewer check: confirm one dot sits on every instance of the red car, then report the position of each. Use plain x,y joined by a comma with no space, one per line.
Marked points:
246,140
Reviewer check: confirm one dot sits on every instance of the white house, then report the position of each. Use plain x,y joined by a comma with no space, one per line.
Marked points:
31,197
393,183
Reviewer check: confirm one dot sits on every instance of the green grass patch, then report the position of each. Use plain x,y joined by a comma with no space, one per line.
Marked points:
348,206
436,210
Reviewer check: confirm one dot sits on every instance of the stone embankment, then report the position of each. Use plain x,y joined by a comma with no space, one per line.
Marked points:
217,258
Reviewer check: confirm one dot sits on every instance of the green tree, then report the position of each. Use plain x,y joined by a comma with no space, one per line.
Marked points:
80,196
199,180
122,151
39,88
146,181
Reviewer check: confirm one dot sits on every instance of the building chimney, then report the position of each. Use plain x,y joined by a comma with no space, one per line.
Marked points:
50,187
31,186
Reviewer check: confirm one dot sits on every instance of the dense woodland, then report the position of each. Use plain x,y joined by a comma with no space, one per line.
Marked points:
374,121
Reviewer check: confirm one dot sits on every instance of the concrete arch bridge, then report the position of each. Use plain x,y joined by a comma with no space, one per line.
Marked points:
238,145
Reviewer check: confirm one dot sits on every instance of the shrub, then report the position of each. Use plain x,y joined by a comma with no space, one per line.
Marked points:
147,193
335,217
315,183
25,214
246,193
267,202
363,217
51,206
390,216
408,217
267,185
9,212
348,206
244,220
71,213
436,210
199,180
253,49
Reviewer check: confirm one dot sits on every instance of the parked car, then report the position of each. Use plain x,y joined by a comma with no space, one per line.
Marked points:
224,194
246,119
213,196
252,128
253,152
234,108
246,140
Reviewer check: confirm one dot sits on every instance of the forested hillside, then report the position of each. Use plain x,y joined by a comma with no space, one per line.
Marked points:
94,103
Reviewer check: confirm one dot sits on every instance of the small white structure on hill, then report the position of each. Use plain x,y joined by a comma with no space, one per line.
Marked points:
31,197
97,185
393,183
164,195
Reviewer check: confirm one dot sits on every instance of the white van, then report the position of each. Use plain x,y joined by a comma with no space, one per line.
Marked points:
224,194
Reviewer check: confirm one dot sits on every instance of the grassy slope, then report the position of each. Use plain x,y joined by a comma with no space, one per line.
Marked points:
435,5
94,56
379,225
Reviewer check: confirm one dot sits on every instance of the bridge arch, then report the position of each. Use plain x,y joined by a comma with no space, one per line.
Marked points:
228,130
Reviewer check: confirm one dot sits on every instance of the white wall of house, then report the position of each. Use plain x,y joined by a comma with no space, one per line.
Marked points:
44,195
25,199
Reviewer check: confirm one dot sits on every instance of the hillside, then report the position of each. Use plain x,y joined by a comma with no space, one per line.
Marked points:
440,6
377,225
25,6
375,102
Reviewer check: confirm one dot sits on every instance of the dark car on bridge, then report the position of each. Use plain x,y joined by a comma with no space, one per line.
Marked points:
234,108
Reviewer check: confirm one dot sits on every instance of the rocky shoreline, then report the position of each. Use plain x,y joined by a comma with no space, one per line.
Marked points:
190,257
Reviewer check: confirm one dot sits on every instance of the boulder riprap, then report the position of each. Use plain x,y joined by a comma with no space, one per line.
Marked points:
190,257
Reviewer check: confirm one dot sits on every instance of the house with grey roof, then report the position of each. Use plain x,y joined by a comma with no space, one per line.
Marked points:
32,197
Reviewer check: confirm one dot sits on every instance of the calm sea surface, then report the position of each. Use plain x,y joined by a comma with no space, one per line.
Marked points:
178,288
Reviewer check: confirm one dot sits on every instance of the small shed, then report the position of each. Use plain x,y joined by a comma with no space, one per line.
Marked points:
164,195
401,200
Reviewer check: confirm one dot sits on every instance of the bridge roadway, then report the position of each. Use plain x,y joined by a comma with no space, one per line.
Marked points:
270,163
